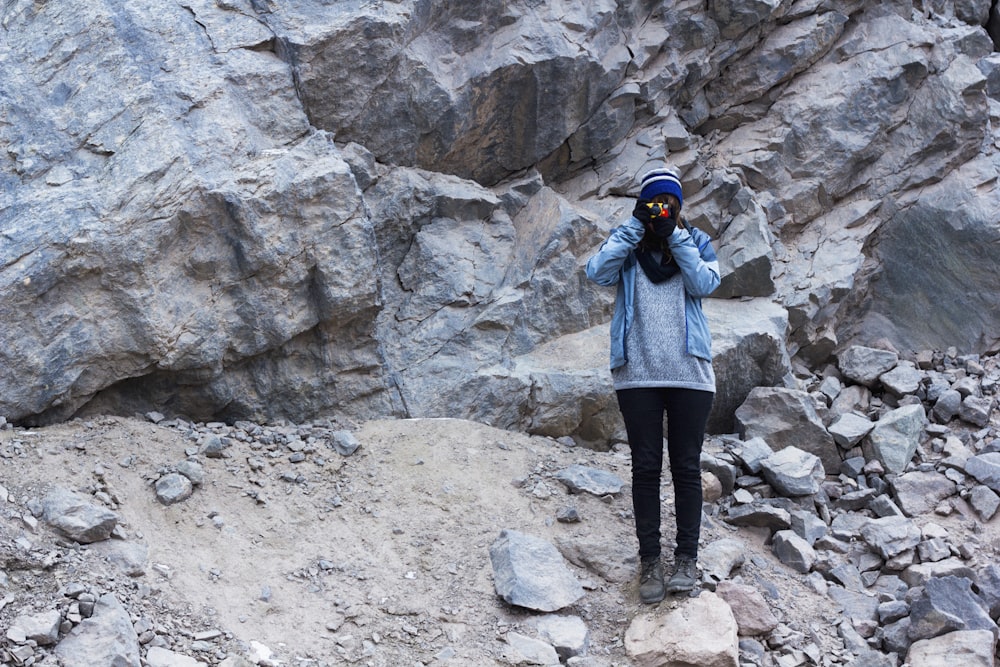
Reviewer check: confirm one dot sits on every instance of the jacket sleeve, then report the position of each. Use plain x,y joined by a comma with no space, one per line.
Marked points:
604,268
694,254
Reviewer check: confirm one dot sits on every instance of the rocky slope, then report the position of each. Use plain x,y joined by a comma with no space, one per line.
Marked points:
329,543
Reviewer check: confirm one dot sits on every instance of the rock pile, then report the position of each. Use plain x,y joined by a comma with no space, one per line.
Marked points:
852,486
915,443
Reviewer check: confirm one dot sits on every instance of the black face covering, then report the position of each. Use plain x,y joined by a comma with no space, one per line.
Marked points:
656,271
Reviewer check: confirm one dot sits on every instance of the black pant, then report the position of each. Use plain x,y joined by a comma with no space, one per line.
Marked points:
687,412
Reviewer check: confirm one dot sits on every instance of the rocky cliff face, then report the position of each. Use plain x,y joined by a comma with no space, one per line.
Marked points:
251,209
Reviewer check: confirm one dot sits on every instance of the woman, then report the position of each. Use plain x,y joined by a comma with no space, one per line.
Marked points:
661,361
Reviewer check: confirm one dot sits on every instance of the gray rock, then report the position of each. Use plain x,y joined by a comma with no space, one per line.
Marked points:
106,638
976,410
751,611
720,558
345,442
453,274
865,365
725,472
948,604
894,439
173,488
919,573
882,506
920,492
793,551
580,479
77,518
891,536
793,472
759,514
860,608
192,470
984,502
529,572
808,526
130,557
748,351
613,561
702,631
988,583
969,648
985,468
567,634
947,406
903,380
849,429
41,628
214,446
157,656
524,650
787,418
751,452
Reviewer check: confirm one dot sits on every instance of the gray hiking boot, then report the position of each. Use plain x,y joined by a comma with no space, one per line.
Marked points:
685,576
651,581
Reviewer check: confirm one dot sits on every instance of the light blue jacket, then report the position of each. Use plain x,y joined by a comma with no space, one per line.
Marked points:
615,263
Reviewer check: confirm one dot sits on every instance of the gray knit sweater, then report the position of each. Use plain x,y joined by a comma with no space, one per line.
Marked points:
655,343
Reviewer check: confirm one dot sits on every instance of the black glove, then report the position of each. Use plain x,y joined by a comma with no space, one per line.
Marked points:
642,213
664,227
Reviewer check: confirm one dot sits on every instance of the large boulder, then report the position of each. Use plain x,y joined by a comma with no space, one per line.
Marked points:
247,211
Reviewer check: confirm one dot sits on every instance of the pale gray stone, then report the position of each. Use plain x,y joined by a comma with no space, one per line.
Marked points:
524,650
427,253
865,365
787,418
612,560
77,518
585,479
192,470
720,558
41,628
701,631
173,488
919,573
529,572
157,656
947,406
985,468
345,442
976,410
849,429
903,380
748,351
891,535
793,551
567,634
894,439
945,605
751,452
919,493
793,472
106,638
759,514
984,501
969,648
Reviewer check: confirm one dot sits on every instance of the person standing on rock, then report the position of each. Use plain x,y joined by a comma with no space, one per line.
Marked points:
661,361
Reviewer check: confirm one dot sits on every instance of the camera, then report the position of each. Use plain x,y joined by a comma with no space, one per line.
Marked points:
661,210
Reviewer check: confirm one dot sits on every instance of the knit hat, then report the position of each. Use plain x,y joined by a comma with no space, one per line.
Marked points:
662,181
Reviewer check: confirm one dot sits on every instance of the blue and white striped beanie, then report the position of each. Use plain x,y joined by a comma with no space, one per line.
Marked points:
662,181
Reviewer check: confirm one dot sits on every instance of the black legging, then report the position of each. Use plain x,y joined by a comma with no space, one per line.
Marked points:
687,412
